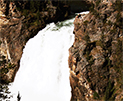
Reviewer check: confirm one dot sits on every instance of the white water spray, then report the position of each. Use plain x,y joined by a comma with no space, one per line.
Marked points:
44,72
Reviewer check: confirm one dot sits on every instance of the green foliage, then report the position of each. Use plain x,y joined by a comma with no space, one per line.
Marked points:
109,22
27,25
108,62
88,79
113,31
91,61
25,12
3,60
31,10
78,24
60,25
38,15
4,70
87,55
119,20
10,66
96,13
32,6
93,10
117,5
85,22
92,7
4,91
98,2
95,95
118,17
35,6
88,49
109,91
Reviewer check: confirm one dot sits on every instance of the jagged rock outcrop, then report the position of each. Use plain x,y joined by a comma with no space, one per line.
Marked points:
95,58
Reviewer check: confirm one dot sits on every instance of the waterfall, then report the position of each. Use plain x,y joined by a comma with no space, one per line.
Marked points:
44,73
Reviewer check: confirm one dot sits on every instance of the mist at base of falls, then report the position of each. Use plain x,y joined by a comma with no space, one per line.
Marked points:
44,72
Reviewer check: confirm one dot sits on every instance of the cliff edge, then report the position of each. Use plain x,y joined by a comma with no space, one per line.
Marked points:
95,58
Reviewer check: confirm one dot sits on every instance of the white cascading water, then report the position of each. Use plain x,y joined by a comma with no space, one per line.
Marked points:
44,72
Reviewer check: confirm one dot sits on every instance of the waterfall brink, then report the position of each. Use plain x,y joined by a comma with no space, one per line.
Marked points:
44,71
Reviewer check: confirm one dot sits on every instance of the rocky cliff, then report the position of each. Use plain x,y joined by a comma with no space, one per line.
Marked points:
20,21
95,58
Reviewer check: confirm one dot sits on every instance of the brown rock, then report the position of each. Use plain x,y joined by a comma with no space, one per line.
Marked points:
97,51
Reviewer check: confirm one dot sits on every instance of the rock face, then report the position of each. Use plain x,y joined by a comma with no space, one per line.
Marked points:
95,58
20,21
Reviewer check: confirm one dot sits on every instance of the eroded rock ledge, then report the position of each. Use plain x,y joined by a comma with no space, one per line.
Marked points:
95,58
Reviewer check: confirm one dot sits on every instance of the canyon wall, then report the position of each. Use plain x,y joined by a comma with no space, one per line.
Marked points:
95,58
20,21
